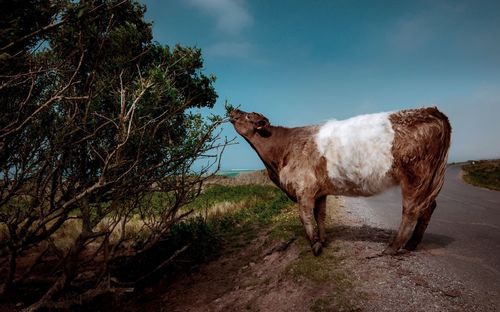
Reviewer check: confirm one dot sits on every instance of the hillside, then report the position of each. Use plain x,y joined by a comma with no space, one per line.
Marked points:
270,268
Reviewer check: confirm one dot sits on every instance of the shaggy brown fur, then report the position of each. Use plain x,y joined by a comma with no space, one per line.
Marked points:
420,148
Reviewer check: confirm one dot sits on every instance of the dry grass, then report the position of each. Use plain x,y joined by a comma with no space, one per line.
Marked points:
483,173
136,227
225,207
63,238
66,235
257,177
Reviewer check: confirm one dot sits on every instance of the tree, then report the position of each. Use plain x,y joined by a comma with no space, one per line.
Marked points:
95,125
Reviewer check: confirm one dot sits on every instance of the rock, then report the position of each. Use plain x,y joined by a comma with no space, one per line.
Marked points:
452,293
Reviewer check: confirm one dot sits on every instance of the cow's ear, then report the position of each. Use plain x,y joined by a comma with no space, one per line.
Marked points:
262,128
261,124
264,132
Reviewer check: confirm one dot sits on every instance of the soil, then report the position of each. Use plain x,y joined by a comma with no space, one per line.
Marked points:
265,274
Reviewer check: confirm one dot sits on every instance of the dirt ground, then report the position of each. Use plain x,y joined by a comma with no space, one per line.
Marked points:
265,274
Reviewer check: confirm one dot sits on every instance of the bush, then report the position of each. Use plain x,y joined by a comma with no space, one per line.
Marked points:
208,237
95,119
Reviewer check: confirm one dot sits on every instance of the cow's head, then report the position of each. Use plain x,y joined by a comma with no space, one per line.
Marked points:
250,124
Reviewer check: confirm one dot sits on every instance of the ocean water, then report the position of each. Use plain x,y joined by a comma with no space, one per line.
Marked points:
234,172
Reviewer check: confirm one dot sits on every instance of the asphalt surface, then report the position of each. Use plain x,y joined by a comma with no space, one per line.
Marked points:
463,235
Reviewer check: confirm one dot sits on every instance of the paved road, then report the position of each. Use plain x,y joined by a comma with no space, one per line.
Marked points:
464,233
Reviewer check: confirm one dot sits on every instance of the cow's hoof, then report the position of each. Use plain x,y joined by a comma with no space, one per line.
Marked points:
317,248
374,256
389,251
411,245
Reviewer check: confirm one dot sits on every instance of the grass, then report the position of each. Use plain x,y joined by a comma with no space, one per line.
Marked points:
219,210
226,217
317,269
483,173
325,270
227,206
259,177
286,225
236,214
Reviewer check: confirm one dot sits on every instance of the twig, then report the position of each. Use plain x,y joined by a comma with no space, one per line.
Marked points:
158,268
281,246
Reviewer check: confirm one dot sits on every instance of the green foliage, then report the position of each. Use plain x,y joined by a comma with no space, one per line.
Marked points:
229,108
18,19
95,119
105,104
202,236
484,173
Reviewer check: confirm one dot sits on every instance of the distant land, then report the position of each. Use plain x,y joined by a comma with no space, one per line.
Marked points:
235,172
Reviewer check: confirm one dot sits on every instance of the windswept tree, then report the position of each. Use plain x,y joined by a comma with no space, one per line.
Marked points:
96,122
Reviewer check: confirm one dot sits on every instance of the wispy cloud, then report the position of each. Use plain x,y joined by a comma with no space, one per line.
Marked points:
231,16
412,33
419,30
230,49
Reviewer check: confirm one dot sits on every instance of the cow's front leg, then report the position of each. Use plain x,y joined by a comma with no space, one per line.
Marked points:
320,216
306,206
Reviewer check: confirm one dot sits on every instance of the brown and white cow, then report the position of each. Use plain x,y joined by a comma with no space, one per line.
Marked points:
360,156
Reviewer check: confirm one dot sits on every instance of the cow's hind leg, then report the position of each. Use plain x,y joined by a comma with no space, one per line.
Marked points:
411,208
406,227
422,223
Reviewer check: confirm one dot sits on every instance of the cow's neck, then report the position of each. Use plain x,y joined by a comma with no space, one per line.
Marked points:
272,149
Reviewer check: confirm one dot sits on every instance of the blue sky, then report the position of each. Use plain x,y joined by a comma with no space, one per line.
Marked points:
304,62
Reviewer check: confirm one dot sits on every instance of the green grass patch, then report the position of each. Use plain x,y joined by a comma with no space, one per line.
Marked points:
484,173
317,269
287,225
255,207
210,237
326,270
219,193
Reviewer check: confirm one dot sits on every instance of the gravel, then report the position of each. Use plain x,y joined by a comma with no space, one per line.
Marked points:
414,281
